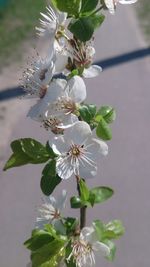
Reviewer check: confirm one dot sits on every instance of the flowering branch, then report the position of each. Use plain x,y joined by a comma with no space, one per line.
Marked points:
58,82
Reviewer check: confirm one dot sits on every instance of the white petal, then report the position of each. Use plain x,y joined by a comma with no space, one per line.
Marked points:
101,247
92,71
110,4
86,233
55,90
61,200
59,145
124,2
78,133
76,89
100,147
38,110
64,168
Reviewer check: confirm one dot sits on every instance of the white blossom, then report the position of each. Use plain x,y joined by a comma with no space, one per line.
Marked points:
85,247
51,23
111,4
50,211
56,110
38,77
77,151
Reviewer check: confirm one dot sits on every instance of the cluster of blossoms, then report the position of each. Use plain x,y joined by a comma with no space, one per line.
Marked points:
58,84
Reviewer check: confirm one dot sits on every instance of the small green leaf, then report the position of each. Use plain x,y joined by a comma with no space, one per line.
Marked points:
26,151
114,229
50,151
107,112
103,131
87,112
72,7
46,252
34,149
71,224
101,193
49,179
84,191
88,6
38,240
76,202
82,28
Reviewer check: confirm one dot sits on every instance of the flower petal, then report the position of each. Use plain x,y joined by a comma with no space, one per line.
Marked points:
61,200
78,133
76,89
92,71
126,2
64,168
101,247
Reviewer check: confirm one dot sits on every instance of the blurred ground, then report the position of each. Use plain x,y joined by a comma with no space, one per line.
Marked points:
123,84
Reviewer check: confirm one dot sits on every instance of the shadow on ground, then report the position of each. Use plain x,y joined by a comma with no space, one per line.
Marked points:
10,93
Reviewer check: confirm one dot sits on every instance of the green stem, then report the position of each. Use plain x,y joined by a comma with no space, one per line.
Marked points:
83,209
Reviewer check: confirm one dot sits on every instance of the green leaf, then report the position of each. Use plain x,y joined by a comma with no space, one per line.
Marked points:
76,202
49,179
87,112
50,151
103,131
38,240
26,151
84,191
101,193
81,28
34,149
72,7
107,112
71,224
114,229
88,6
45,253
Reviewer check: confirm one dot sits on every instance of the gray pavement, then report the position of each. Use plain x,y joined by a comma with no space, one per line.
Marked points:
126,87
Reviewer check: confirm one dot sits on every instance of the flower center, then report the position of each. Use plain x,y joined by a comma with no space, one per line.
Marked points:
42,74
75,151
55,214
66,104
42,91
53,124
81,252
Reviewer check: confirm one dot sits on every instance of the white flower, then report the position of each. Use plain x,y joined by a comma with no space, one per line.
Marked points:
78,151
56,109
111,4
67,99
50,211
51,23
37,112
85,247
38,77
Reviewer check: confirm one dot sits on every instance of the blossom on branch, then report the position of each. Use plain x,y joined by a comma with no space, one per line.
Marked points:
50,211
78,151
85,247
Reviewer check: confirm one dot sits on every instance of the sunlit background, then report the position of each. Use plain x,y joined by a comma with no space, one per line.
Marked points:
122,46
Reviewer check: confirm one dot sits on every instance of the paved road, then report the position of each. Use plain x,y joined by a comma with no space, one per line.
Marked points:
126,169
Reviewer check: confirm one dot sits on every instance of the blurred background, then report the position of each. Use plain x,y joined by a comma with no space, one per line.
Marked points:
122,49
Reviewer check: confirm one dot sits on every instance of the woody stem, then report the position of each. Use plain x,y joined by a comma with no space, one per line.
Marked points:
83,209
